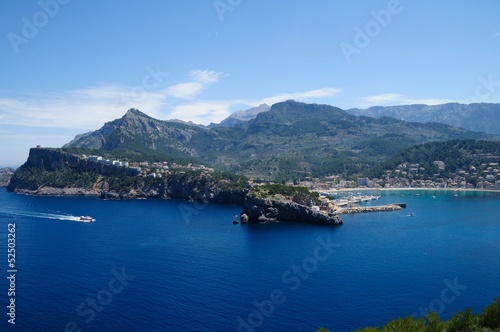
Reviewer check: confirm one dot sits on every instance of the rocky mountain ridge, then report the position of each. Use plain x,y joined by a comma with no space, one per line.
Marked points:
482,117
291,140
241,116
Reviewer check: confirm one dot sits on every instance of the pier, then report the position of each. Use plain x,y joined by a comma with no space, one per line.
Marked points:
360,209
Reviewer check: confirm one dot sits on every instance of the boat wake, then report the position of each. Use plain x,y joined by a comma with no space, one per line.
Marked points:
41,215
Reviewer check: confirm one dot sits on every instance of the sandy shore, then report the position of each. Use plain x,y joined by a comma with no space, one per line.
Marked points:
406,189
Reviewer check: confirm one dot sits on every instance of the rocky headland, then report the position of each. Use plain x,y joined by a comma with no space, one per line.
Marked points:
5,176
264,210
55,172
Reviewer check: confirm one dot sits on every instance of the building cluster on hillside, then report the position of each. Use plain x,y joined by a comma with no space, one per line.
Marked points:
407,175
154,170
485,176
101,160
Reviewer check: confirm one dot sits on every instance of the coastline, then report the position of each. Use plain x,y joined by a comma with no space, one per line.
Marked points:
408,189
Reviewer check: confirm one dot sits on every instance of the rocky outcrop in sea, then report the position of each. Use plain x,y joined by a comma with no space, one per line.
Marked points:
264,210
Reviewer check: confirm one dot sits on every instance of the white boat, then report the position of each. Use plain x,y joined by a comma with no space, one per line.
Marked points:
86,219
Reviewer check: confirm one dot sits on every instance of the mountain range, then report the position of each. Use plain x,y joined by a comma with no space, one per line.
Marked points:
241,116
286,141
484,117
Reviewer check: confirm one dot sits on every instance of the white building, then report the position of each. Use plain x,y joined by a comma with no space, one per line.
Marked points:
365,182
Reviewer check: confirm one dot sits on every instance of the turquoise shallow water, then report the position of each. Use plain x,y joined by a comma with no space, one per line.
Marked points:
176,266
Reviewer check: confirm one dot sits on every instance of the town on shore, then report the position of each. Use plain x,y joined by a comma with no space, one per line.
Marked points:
485,176
406,175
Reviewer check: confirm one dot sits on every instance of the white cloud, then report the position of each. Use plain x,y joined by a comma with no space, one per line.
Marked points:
189,90
205,76
203,112
83,109
388,99
185,90
89,108
383,98
301,96
429,102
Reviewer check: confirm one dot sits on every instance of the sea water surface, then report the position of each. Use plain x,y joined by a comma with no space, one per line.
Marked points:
153,265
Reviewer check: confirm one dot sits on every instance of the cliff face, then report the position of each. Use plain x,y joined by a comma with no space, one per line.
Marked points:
53,159
54,172
198,188
260,210
5,175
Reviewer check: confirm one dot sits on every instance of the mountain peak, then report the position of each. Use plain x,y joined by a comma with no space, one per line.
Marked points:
242,116
134,113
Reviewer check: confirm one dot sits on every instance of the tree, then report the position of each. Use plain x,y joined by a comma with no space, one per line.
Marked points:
434,323
462,321
490,317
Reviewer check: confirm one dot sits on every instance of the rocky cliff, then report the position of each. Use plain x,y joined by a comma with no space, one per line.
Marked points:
55,172
5,176
263,210
53,159
201,188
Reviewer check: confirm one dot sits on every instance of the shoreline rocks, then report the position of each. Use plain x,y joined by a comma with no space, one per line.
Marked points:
266,210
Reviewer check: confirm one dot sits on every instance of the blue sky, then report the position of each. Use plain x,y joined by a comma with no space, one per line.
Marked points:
69,66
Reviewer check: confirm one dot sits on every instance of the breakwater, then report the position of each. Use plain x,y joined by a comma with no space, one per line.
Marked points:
362,209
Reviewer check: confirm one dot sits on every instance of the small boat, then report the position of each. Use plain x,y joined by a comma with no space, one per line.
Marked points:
86,219
235,222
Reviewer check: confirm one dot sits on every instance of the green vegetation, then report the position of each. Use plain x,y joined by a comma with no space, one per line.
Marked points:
60,178
291,141
137,155
298,194
232,181
462,321
456,155
124,183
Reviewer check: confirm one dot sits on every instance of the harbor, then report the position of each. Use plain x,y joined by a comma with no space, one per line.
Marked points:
350,204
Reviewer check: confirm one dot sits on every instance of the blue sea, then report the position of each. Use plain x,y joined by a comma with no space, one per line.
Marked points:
153,265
